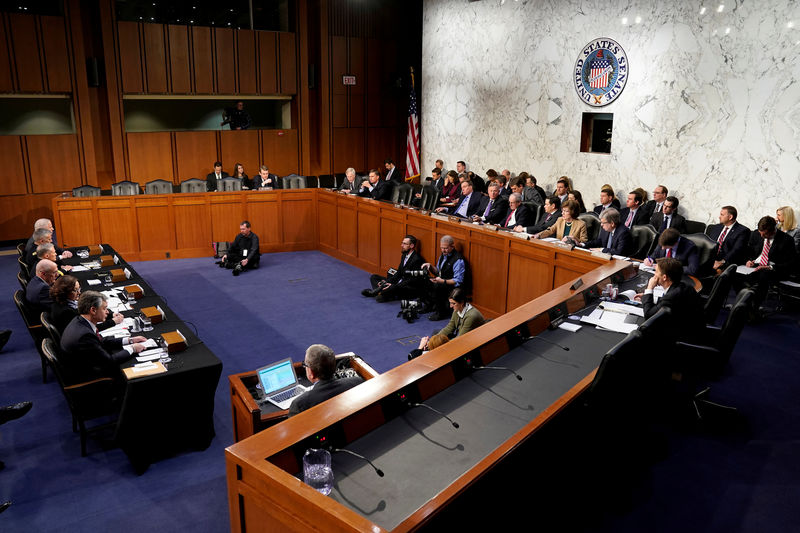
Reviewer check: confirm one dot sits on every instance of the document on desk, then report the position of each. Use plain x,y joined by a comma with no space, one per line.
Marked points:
550,239
79,268
93,281
623,308
610,320
144,369
741,269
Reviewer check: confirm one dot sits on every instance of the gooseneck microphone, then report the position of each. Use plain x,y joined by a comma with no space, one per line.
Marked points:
414,404
497,368
565,348
354,454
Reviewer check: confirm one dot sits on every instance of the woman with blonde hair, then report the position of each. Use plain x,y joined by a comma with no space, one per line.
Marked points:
788,224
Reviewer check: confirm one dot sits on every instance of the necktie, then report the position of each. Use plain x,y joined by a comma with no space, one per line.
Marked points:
764,259
669,252
722,235
658,208
665,225
488,208
610,238
462,209
629,219
505,224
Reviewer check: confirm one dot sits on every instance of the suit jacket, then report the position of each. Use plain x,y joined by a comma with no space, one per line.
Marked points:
578,231
62,314
541,193
529,194
523,217
458,326
382,190
86,357
497,214
437,183
395,176
414,263
734,247
621,242
782,253
650,205
38,294
544,222
686,310
676,221
352,187
258,182
599,208
211,181
641,216
686,252
321,391
475,201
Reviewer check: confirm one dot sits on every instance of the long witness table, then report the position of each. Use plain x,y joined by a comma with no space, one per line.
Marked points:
165,413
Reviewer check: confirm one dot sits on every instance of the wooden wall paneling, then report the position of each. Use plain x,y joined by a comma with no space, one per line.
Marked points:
280,151
348,149
240,146
568,267
267,62
382,143
202,59
225,55
11,155
488,261
54,162
192,222
155,58
262,212
346,224
530,274
288,62
19,212
246,57
339,68
27,58
77,225
394,104
302,113
227,211
117,221
130,57
357,92
56,57
195,152
150,156
392,232
155,226
422,229
179,59
327,222
368,236
6,49
297,220
112,110
373,82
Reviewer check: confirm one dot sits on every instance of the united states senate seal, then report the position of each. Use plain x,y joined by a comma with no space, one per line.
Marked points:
601,72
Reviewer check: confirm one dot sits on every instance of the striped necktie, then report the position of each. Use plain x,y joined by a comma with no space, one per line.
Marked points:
764,259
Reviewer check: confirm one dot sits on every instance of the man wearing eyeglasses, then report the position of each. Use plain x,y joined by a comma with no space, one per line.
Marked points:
614,238
320,365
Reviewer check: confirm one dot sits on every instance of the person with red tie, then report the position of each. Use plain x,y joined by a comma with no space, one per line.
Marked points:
774,258
633,214
518,215
731,237
552,212
671,244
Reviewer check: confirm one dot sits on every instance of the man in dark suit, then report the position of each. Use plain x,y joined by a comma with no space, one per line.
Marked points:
614,238
376,188
657,203
468,204
86,355
606,201
668,217
45,224
671,244
633,214
773,255
493,208
213,179
552,212
392,172
528,194
436,179
531,182
682,300
320,365
351,182
265,180
37,293
518,214
731,237
399,285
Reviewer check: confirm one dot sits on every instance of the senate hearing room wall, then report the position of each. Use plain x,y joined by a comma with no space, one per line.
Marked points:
710,109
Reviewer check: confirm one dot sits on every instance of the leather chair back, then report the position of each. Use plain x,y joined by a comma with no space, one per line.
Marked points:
402,193
693,226
158,187
643,238
193,185
312,182
125,188
718,295
85,190
230,184
592,225
430,198
327,181
52,331
707,249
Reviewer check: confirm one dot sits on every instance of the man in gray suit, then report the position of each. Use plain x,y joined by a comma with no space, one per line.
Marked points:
352,182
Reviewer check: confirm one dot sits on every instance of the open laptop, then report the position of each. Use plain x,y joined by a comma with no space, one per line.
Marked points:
279,383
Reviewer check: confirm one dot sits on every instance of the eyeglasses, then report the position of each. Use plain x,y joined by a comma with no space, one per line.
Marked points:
304,365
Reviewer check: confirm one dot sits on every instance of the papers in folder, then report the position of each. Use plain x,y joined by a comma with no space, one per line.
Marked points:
741,269
611,320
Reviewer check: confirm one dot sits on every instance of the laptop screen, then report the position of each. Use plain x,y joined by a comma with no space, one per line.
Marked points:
276,377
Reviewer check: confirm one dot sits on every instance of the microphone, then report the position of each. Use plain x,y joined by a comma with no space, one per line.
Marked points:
497,368
414,404
377,470
565,348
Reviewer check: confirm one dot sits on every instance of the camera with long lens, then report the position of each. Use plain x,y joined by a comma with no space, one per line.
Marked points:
237,269
409,310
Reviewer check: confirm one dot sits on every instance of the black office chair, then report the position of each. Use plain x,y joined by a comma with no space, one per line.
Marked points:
230,184
86,190
193,185
537,210
592,225
615,389
644,237
430,198
402,193
340,177
158,187
50,328
125,188
327,181
87,400
707,250
718,295
694,226
312,182
34,326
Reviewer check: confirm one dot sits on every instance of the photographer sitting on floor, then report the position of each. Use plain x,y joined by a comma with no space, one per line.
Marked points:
405,282
244,252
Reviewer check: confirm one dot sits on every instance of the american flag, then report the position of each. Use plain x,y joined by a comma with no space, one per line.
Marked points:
412,139
598,75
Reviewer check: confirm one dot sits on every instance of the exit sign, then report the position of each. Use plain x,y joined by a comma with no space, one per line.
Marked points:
348,80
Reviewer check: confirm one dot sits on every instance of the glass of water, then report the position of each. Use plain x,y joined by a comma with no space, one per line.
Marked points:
317,471
147,324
